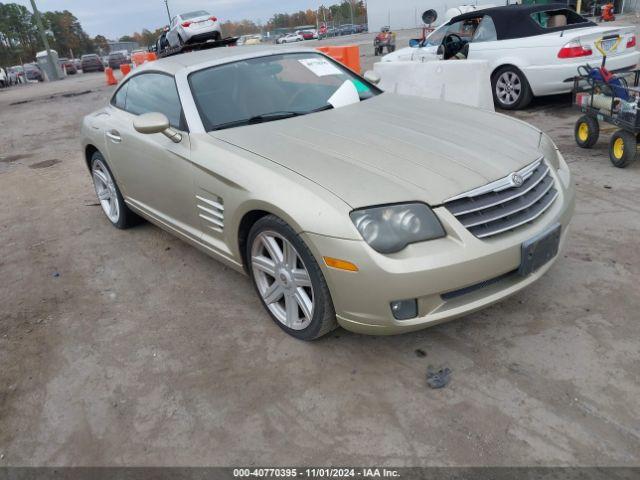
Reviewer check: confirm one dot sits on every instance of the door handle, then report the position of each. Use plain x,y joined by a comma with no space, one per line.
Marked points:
114,136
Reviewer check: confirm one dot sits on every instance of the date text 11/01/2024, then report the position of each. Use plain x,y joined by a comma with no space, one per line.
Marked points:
315,473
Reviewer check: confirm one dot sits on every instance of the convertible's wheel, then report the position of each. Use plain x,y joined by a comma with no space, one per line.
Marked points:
511,91
586,131
289,280
109,195
622,148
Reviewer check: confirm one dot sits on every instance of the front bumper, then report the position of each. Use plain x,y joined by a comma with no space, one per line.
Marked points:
428,270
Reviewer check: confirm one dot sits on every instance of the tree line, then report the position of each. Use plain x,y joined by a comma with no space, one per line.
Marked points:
20,41
336,14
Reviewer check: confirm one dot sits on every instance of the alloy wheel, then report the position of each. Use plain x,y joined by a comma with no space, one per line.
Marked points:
106,190
508,88
283,280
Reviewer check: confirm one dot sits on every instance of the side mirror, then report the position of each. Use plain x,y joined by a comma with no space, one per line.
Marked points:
414,42
372,77
154,122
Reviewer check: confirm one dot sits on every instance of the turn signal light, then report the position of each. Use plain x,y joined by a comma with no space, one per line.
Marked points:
632,42
573,50
186,24
340,264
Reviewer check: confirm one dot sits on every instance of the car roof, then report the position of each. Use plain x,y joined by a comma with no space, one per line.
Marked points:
217,56
515,21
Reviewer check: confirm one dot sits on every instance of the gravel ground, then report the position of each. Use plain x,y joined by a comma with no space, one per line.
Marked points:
132,348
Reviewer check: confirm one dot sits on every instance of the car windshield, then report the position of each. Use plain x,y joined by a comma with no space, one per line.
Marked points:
465,29
190,15
272,88
436,37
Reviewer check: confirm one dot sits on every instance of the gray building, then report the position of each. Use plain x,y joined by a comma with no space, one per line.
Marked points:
404,14
119,46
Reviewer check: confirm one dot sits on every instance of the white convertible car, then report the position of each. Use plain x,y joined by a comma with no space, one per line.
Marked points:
532,50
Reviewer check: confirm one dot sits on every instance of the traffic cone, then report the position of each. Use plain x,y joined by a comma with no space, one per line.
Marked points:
111,79
125,68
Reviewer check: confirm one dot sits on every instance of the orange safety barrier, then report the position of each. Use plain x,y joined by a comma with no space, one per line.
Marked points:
111,79
138,58
348,55
125,68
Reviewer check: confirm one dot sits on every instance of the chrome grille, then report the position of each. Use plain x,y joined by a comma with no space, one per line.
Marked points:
506,204
211,212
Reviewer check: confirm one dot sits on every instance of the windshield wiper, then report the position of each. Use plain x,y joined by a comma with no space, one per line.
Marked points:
268,117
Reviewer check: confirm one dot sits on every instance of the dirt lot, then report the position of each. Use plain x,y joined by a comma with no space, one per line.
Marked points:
132,348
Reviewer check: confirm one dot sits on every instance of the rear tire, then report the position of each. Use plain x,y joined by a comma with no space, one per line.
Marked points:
511,90
586,131
288,280
622,148
108,192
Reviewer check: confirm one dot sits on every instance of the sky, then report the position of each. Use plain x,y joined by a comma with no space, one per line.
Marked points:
115,18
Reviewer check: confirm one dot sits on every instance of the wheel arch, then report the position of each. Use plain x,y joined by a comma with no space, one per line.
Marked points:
513,64
249,214
89,151
504,64
244,227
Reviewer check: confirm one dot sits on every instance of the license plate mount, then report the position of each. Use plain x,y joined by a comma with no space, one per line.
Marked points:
540,250
608,44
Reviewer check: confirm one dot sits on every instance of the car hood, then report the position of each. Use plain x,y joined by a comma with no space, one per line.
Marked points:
394,148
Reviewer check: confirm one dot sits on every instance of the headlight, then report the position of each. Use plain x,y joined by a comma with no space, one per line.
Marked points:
390,228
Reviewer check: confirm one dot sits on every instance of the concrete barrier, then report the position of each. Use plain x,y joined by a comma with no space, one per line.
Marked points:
458,81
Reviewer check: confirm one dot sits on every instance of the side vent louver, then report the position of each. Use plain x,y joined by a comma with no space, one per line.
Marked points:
211,212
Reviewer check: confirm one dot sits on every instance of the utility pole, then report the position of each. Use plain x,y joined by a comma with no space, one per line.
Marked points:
351,8
43,35
166,4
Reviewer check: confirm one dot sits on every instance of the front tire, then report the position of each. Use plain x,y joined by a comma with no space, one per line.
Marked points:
288,280
109,195
511,90
586,131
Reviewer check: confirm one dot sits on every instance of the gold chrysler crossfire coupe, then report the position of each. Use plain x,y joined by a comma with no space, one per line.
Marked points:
345,205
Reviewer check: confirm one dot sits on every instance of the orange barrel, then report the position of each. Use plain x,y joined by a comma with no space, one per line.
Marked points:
125,68
150,57
348,55
111,79
138,58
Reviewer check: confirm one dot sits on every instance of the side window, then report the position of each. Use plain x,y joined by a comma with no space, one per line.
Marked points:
486,31
154,92
557,18
120,98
